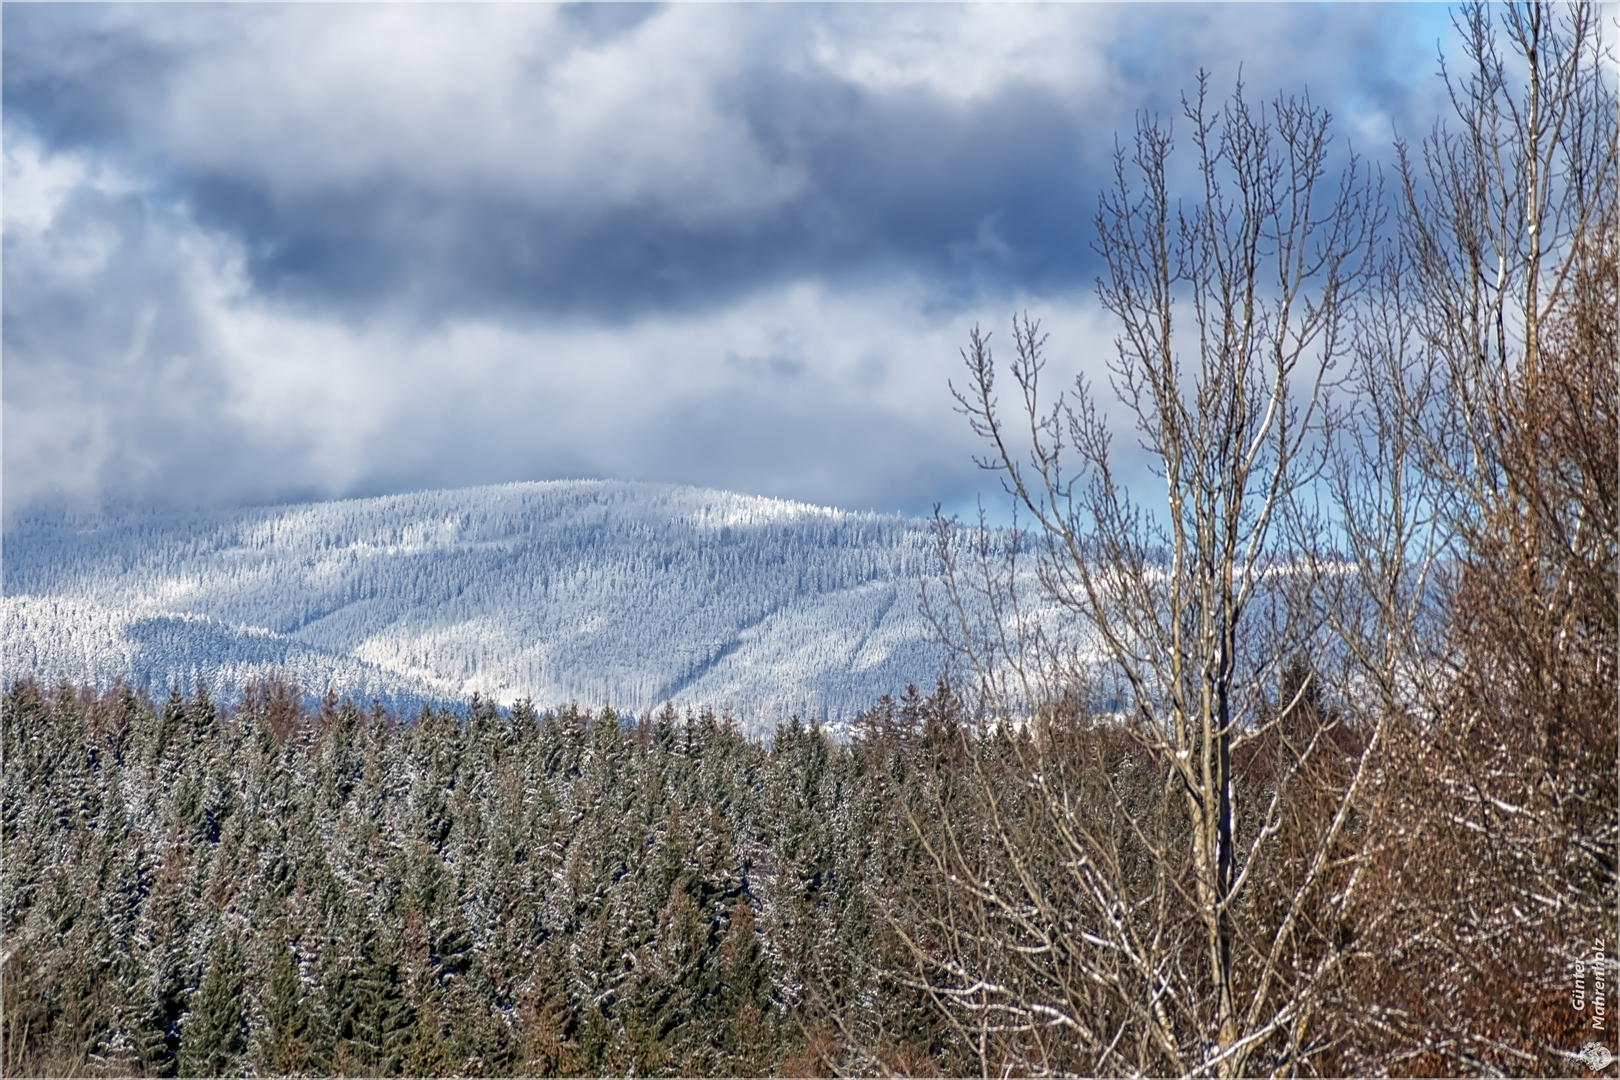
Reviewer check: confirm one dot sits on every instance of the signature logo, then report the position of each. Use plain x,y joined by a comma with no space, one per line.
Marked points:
1597,1056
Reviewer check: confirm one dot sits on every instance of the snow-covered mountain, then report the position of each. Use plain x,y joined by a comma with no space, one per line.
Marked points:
597,592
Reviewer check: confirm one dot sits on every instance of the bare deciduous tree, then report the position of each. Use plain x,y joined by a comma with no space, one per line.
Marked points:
1166,889
1311,767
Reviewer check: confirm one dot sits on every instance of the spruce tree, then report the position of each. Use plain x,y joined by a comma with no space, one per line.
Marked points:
283,1041
213,1032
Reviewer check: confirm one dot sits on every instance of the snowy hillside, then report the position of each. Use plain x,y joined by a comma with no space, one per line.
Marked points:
600,592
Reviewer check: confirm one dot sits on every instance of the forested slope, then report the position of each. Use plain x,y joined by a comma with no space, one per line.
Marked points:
597,592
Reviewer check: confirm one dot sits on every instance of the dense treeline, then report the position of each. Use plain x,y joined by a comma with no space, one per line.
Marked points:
267,889
191,890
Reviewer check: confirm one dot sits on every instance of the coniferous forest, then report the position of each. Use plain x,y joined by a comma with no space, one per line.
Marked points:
197,891
276,890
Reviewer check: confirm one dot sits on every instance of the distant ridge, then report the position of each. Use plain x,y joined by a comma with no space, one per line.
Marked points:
600,592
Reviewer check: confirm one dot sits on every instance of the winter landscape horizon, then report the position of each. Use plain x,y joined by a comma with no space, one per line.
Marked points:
592,593
728,539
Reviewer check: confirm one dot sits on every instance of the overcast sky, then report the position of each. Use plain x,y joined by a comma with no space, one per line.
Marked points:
255,253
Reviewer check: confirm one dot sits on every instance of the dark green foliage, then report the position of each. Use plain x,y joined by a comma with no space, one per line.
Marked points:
282,1038
213,1032
191,890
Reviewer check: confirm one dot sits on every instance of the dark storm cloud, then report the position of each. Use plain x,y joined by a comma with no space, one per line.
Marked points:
77,79
982,192
493,253
272,250
988,192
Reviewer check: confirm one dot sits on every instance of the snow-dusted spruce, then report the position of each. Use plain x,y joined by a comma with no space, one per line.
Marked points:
197,891
597,592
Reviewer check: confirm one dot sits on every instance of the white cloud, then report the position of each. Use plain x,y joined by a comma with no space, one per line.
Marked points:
35,185
524,100
502,98
143,357
218,390
966,52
